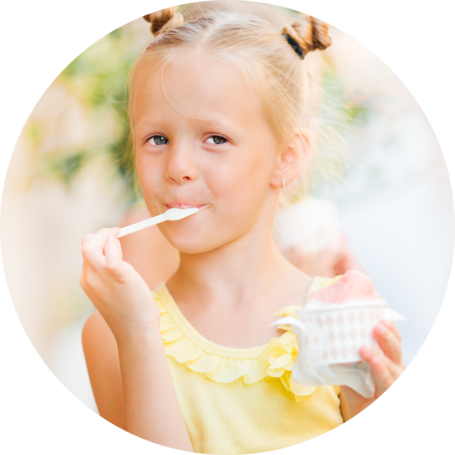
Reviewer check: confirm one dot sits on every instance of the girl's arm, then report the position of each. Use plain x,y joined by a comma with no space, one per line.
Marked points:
135,359
151,409
101,356
133,384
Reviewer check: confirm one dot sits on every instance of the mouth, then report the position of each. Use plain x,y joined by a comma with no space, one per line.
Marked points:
184,205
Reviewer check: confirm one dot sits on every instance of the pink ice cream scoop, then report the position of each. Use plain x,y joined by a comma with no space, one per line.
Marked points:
351,287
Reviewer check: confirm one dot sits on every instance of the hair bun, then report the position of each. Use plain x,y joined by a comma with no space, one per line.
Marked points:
166,18
309,33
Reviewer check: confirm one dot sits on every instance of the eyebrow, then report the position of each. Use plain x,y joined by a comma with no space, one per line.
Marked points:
222,121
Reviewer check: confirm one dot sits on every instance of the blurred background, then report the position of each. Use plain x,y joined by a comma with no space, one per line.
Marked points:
68,176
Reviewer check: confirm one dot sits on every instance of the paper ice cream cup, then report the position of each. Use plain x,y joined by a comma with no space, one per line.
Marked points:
332,327
335,333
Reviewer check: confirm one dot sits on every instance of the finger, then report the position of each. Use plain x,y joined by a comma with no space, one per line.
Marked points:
121,271
114,232
389,343
87,237
380,369
93,248
119,248
96,240
114,256
111,254
393,328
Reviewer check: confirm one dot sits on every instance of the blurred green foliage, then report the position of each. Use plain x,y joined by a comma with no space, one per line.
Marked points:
97,79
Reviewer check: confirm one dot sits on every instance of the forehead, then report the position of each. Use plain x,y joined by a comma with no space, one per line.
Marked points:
199,86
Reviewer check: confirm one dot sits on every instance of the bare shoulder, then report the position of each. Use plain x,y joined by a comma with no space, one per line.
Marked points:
103,365
296,284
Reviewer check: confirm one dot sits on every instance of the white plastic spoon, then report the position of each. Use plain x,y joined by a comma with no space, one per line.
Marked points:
173,214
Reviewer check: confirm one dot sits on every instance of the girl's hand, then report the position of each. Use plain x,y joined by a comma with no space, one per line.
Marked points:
386,366
116,290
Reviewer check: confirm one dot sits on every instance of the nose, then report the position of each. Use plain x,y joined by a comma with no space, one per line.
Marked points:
180,164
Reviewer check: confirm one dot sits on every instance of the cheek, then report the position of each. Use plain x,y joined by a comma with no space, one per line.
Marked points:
224,182
242,184
148,175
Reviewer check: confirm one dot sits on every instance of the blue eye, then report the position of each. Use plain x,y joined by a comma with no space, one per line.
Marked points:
216,140
160,141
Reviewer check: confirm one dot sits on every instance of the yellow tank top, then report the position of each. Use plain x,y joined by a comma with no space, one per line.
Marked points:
242,401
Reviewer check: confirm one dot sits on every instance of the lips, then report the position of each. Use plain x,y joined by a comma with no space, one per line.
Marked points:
184,205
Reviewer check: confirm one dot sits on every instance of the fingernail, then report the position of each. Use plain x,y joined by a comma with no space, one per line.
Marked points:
110,237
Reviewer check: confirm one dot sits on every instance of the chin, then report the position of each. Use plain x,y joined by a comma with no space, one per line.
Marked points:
188,244
193,250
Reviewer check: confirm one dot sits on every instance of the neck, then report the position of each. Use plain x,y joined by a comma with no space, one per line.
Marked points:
235,273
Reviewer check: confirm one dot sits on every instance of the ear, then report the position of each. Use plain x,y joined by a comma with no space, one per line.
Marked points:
289,162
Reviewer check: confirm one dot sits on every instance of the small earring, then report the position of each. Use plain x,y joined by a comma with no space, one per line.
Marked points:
282,183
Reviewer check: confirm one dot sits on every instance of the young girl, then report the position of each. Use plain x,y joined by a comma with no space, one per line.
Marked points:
222,114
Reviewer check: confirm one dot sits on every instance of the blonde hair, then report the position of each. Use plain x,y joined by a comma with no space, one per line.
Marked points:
268,59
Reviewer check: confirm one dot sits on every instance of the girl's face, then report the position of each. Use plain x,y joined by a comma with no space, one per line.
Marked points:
202,141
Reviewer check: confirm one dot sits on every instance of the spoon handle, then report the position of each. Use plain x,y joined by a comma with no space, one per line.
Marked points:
142,225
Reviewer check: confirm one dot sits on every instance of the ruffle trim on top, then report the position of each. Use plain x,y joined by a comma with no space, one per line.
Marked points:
281,354
225,365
